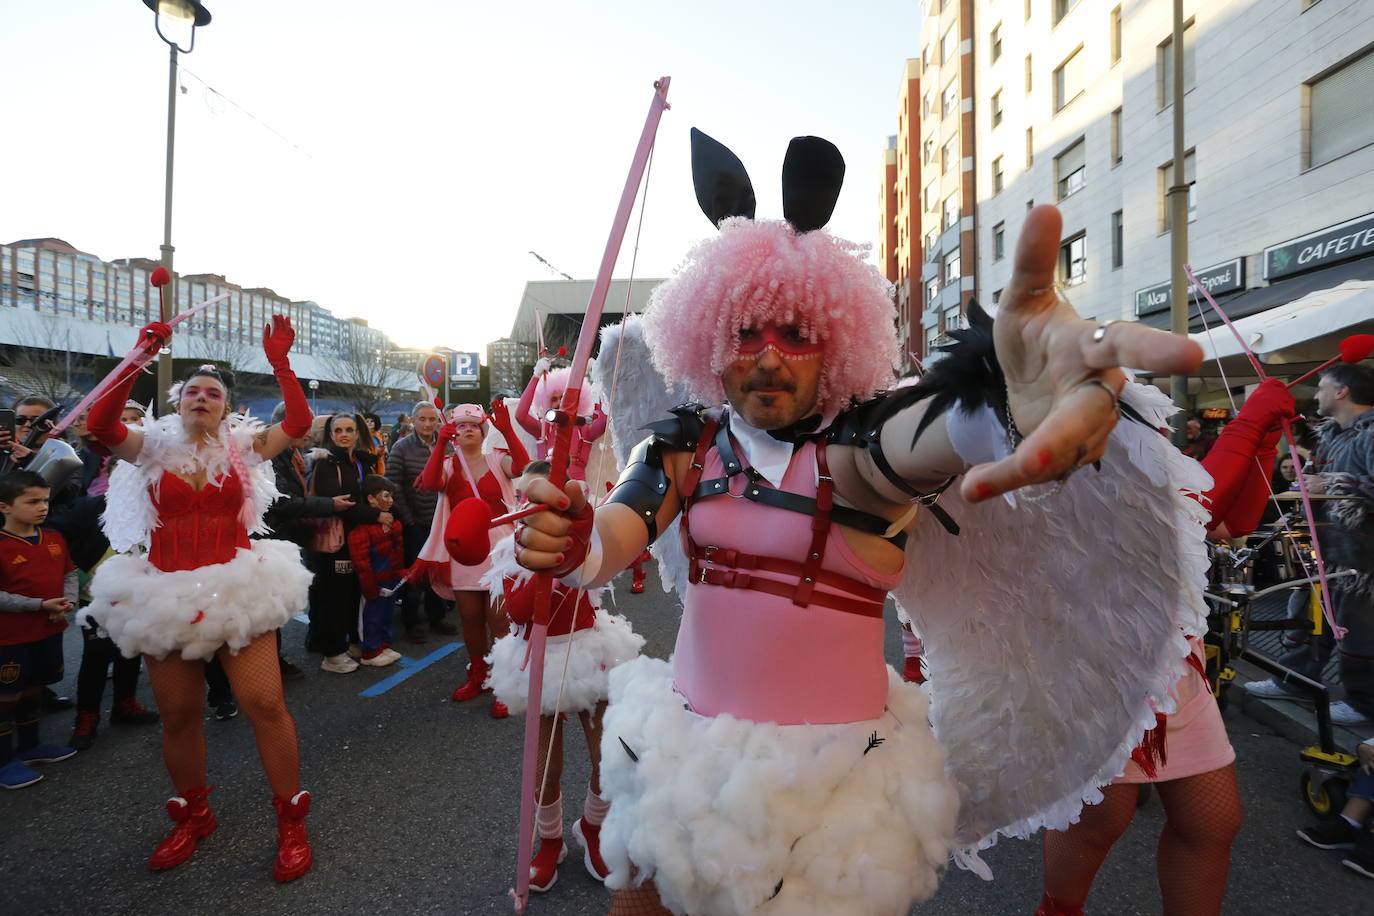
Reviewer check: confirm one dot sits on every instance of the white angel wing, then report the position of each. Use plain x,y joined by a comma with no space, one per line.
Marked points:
1051,627
635,395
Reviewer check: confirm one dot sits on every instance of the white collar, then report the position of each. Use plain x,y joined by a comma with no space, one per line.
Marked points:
766,455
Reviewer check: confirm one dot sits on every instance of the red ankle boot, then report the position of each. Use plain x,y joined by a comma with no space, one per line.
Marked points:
544,865
192,820
589,837
477,673
499,710
293,848
1051,907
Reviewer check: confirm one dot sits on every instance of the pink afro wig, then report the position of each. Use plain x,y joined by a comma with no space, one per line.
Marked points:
554,382
760,272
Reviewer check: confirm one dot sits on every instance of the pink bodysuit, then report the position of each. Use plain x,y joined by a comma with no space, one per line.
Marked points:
758,656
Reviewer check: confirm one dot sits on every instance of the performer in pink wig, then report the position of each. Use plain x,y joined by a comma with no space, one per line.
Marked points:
544,393
745,779
190,488
458,469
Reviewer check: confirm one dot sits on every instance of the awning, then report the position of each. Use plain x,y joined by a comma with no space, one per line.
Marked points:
1291,337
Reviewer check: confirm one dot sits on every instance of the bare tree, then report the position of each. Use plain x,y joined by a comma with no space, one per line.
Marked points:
43,359
361,375
239,356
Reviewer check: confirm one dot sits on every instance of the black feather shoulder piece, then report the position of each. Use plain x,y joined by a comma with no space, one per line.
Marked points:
967,377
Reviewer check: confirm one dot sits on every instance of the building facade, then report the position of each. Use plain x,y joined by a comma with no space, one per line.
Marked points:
508,363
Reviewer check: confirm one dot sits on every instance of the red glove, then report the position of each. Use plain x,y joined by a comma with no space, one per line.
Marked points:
1242,459
103,421
432,477
277,338
152,338
500,418
581,535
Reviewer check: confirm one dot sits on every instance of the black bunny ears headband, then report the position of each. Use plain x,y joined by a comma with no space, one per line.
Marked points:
812,173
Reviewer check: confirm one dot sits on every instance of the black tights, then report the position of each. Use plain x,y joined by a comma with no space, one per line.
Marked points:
97,653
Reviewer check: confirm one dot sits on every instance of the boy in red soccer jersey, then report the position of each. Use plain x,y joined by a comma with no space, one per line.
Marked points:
38,587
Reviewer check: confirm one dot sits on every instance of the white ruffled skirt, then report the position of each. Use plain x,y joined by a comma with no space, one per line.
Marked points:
588,654
195,611
728,816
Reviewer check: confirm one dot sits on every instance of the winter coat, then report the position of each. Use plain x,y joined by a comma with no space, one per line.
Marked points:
404,466
287,515
1345,458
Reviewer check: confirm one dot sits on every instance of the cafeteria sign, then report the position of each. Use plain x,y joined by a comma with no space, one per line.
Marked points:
1345,242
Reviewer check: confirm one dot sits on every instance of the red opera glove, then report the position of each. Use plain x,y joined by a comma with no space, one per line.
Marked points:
500,418
581,535
1241,461
153,337
432,477
277,338
103,421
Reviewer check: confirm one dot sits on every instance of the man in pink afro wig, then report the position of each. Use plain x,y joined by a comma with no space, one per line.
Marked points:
739,773
759,273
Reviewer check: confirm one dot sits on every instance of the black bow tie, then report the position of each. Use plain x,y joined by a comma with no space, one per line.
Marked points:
798,433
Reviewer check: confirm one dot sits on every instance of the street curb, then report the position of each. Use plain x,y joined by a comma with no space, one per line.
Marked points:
1295,721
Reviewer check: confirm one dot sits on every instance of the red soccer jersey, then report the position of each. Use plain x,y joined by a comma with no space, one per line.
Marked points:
34,570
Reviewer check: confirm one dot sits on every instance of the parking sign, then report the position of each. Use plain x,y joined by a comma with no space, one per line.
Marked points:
466,370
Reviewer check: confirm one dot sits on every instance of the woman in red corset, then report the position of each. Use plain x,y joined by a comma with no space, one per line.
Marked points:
189,585
464,473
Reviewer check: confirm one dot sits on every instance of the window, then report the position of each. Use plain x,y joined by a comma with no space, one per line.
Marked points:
925,105
932,339
949,155
997,108
928,197
1166,181
1338,111
925,58
952,318
999,242
1118,241
1116,137
1028,74
932,290
928,152
1030,146
1068,79
952,267
949,44
1164,59
1069,169
1114,34
996,42
997,177
1062,8
996,296
951,210
1073,260
950,101
932,240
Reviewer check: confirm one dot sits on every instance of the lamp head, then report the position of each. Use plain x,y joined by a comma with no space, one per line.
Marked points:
180,18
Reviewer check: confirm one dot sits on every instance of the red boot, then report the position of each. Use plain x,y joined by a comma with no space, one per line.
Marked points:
1051,907
192,821
544,865
293,847
499,710
589,837
477,673
911,671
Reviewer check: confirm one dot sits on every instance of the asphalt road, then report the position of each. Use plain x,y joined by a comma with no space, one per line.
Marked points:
415,805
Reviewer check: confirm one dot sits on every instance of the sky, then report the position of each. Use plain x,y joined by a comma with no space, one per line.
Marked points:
398,162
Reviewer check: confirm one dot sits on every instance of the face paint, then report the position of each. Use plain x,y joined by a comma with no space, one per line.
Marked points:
787,341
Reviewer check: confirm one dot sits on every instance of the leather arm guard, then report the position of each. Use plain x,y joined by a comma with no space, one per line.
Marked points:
643,485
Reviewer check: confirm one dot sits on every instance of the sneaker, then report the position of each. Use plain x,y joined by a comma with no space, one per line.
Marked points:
339,664
289,672
129,711
355,651
45,753
1274,690
381,659
86,730
54,703
16,775
447,628
1333,834
226,710
1343,713
1361,860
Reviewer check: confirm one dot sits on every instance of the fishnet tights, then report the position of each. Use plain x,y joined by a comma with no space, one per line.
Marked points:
1202,818
255,676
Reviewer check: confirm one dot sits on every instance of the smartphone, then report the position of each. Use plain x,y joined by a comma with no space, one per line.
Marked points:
7,422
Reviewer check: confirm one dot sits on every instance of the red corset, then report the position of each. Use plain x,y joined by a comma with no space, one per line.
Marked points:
198,527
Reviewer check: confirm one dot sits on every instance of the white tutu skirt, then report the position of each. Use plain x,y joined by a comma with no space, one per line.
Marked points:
195,611
610,642
728,816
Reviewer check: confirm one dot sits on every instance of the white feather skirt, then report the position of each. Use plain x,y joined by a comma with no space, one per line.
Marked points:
589,655
196,611
728,816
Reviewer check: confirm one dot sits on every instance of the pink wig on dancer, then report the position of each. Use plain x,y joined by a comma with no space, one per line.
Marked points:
555,381
764,272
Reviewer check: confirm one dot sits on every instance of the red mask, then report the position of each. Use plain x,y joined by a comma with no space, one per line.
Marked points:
787,341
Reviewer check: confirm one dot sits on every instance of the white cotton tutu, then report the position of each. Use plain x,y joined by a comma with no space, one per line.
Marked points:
195,611
728,816
594,652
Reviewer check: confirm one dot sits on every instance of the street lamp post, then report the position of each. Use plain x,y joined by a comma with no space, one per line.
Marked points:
314,387
174,20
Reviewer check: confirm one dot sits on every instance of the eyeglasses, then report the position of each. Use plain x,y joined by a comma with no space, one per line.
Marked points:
24,421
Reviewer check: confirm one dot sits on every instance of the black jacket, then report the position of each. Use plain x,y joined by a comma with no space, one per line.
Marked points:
287,515
337,473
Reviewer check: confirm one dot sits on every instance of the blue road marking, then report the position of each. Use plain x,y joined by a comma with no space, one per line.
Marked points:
409,668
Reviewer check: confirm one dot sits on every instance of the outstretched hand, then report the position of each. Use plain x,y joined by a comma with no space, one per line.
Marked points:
277,339
554,540
1063,372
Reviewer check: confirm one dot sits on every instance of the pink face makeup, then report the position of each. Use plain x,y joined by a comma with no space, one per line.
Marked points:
786,340
191,392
